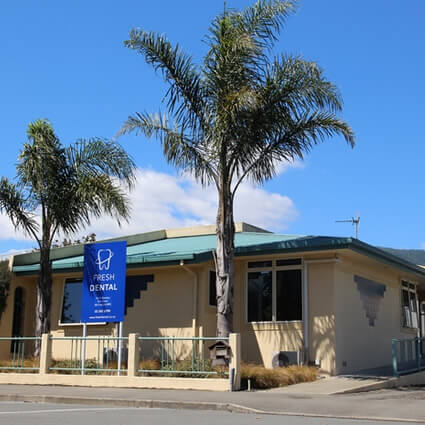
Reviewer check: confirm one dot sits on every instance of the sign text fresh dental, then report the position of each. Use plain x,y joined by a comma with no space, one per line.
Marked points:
104,282
104,277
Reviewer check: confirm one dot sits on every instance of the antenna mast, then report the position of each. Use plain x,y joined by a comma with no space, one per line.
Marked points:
354,221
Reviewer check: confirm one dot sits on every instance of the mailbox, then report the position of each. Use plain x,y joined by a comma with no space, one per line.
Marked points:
220,353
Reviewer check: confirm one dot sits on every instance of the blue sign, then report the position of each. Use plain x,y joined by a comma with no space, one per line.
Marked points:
103,297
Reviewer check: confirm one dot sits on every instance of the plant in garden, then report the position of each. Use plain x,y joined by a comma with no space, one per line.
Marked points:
237,115
262,378
65,187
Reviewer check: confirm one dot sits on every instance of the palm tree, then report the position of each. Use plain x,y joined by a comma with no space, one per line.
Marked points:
66,187
238,114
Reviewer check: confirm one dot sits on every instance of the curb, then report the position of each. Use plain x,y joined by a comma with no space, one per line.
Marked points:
166,404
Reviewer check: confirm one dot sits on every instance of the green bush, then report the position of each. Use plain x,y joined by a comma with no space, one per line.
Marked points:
181,365
67,364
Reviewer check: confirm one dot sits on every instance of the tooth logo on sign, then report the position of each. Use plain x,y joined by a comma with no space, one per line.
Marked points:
104,258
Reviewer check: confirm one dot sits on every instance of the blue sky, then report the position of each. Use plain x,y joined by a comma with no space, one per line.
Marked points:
65,61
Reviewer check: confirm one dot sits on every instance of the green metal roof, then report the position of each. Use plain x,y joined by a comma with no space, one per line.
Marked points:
194,249
171,249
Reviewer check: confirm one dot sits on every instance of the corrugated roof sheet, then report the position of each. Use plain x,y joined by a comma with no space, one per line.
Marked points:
198,248
171,249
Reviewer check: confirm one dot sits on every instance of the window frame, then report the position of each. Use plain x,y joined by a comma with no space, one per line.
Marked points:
410,287
274,269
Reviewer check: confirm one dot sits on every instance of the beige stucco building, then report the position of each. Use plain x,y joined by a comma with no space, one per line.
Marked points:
334,302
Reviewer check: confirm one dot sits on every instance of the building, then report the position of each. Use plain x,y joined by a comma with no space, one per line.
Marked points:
335,301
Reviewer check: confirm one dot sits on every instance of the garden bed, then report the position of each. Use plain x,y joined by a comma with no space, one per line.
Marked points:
262,378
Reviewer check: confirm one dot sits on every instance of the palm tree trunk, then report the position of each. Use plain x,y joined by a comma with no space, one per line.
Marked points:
44,296
224,260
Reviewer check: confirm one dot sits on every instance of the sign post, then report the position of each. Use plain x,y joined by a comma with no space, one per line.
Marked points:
119,348
103,295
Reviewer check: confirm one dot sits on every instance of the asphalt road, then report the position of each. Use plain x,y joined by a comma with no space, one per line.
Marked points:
405,403
21,413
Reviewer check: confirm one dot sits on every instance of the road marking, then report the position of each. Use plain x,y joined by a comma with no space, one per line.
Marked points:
87,409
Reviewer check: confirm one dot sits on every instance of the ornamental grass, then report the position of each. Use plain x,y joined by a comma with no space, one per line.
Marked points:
262,378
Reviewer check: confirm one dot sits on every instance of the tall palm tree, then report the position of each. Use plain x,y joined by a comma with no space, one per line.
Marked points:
238,114
66,187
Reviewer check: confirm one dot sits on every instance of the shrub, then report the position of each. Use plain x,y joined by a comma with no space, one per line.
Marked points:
185,366
91,367
262,378
31,362
149,364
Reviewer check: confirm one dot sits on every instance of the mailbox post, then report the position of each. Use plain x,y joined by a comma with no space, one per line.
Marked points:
224,353
220,353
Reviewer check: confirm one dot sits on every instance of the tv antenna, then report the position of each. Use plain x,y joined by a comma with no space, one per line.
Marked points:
354,221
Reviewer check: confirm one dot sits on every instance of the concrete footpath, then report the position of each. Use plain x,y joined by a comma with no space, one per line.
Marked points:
399,405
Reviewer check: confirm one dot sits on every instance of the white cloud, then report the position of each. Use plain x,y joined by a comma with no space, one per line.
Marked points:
271,211
284,166
423,245
8,230
161,200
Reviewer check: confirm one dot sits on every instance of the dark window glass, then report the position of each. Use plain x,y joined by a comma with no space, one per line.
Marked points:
71,306
289,262
288,296
255,264
213,289
260,296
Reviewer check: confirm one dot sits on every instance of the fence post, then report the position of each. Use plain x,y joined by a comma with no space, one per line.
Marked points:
235,360
45,354
133,354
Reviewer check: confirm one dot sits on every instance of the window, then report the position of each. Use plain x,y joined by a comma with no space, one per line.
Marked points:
257,264
71,305
409,301
260,296
289,262
288,295
212,289
274,291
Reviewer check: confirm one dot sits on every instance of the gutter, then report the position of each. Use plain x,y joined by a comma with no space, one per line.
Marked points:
195,298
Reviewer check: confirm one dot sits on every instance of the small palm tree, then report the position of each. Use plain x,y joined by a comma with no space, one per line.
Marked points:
237,115
66,187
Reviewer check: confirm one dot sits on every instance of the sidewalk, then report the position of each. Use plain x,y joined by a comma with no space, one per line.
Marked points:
397,405
336,385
